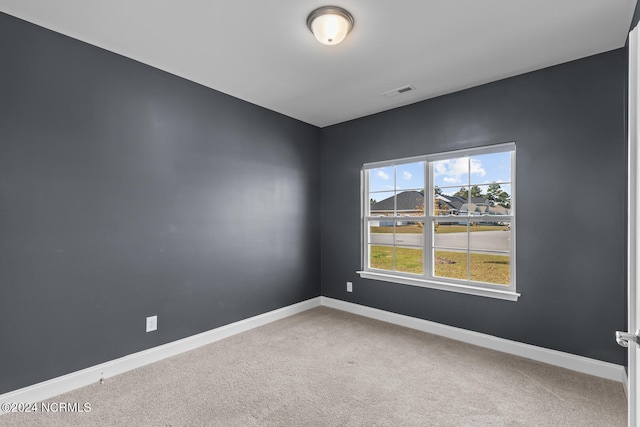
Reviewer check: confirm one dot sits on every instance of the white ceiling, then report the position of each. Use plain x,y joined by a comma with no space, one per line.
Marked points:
261,50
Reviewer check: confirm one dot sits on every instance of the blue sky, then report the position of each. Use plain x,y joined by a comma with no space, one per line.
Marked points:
449,174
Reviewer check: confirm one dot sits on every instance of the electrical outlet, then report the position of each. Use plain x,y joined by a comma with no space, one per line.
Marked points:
152,323
349,287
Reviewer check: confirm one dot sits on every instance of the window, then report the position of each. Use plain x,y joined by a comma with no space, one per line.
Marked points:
444,221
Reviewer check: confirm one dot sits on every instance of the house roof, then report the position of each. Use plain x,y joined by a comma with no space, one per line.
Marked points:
406,201
456,202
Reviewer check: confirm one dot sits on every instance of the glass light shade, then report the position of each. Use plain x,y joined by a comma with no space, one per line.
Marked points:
330,24
330,29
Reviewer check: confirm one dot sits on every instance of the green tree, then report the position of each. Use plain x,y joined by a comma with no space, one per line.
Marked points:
493,192
497,196
504,199
462,192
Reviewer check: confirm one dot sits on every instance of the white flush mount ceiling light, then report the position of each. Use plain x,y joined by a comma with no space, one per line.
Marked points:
330,24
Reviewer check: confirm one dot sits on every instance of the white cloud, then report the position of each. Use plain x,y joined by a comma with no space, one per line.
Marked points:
476,168
440,168
452,170
407,175
382,175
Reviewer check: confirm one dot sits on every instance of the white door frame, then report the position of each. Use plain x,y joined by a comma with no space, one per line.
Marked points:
633,258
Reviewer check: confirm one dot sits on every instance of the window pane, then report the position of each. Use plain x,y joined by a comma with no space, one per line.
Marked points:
486,265
410,176
450,255
467,201
450,200
410,203
409,234
442,205
451,235
409,260
492,199
450,264
451,172
381,179
382,204
490,268
499,197
489,168
381,232
490,236
381,257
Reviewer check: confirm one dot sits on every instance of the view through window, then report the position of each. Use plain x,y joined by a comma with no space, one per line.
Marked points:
447,218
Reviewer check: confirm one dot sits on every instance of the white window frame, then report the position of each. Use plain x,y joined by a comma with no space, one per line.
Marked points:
426,279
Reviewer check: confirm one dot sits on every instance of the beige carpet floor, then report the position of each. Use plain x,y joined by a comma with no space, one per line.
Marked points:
325,367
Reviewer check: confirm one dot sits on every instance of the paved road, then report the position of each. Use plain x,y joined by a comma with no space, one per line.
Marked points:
401,239
480,240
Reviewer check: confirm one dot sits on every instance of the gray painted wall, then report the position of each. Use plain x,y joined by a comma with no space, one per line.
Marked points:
127,192
569,126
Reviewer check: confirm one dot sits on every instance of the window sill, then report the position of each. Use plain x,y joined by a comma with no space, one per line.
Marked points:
464,289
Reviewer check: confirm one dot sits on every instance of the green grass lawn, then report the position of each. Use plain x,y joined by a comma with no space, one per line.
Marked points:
404,229
484,267
463,228
407,260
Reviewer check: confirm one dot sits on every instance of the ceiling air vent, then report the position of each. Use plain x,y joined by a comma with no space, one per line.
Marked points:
400,90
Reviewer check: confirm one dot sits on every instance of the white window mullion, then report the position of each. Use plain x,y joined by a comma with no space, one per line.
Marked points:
512,224
395,213
427,234
364,230
469,219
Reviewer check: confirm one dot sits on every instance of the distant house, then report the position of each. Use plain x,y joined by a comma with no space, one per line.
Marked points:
457,205
411,203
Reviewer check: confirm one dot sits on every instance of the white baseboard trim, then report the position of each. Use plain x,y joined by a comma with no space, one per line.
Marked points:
573,362
56,386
